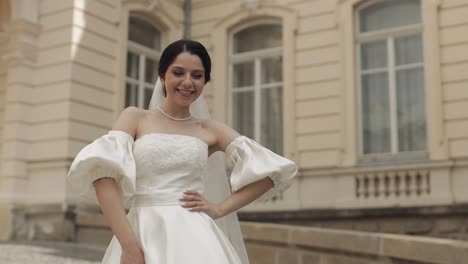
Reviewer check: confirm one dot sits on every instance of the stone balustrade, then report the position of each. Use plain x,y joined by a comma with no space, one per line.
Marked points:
394,183
286,244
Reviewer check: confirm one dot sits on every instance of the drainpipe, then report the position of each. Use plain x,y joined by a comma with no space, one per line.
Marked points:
187,18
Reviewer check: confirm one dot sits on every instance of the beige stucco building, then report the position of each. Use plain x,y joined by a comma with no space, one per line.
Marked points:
370,98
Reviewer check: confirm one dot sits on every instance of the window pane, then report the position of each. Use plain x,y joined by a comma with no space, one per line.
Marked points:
133,65
375,113
374,55
408,50
257,37
243,113
389,14
151,71
243,74
271,70
147,99
411,110
144,33
272,119
131,95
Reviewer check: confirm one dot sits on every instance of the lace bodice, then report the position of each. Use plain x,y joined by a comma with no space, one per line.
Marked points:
169,163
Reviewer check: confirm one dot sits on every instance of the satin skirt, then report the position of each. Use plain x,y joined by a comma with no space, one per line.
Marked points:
170,234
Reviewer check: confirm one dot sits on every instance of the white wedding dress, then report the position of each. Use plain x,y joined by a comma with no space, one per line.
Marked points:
153,172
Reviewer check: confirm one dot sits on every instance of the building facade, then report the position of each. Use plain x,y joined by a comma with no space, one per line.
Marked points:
370,98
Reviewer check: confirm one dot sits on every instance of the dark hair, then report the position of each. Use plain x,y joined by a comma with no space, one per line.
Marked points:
184,45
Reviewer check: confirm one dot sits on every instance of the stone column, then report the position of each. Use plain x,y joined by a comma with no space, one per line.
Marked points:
19,59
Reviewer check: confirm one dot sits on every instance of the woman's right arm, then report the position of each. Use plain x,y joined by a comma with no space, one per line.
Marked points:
109,197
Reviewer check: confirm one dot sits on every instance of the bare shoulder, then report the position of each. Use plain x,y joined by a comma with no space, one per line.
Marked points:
223,133
132,110
128,120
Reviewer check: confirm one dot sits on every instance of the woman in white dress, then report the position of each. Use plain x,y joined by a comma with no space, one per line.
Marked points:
156,161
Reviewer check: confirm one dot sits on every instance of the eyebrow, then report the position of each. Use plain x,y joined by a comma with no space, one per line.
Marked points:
182,68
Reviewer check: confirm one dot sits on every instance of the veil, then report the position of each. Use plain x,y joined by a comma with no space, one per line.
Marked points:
215,180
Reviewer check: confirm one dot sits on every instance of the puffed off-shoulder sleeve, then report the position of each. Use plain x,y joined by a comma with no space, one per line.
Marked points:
108,156
253,162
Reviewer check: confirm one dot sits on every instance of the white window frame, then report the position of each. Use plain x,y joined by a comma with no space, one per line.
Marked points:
255,56
389,35
143,52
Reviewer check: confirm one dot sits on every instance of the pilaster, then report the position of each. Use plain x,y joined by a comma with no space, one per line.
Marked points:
19,59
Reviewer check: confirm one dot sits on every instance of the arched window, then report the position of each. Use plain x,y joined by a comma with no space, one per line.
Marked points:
391,78
256,84
144,48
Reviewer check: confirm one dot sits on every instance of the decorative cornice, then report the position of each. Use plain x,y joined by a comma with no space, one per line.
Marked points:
427,165
205,3
154,7
149,4
153,4
269,10
251,5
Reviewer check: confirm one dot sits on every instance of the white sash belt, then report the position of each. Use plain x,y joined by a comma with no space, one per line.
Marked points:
145,200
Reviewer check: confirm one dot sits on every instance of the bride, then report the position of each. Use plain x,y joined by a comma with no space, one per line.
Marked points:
160,163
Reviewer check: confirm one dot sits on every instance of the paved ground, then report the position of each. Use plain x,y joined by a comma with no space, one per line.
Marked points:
48,253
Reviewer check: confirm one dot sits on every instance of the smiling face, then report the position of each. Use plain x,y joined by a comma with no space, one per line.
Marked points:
184,79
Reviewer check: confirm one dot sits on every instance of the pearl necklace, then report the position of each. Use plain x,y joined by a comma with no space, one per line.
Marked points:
174,118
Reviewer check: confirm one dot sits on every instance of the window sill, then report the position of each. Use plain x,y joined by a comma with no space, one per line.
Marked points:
389,159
